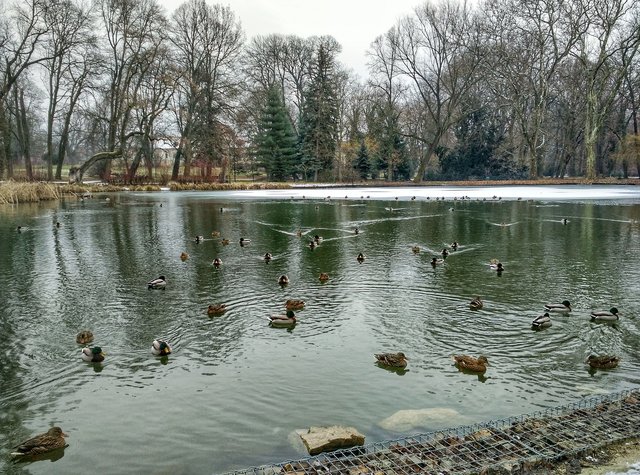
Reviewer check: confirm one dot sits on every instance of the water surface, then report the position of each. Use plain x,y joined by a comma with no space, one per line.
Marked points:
235,389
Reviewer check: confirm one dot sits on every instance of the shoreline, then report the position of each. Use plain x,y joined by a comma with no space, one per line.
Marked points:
12,192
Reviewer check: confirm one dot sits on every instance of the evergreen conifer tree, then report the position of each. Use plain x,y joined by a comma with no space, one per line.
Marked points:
275,142
361,162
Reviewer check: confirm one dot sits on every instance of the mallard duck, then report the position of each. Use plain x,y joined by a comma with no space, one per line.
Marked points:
415,249
19,229
198,239
454,245
323,277
217,262
84,337
283,279
292,304
356,231
224,241
244,242
436,262
317,239
610,316
268,256
287,320
603,362
360,257
564,307
215,233
299,233
565,221
541,321
217,309
444,253
160,348
397,360
469,363
159,283
51,440
92,355
496,266
312,244
476,303
184,256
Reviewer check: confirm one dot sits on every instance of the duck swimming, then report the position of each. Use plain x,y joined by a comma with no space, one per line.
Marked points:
292,304
287,320
92,355
184,256
476,303
496,266
216,309
564,307
469,363
415,249
217,262
267,256
160,348
159,283
454,245
541,321
445,252
84,337
323,277
436,262
244,242
603,362
42,443
283,279
360,257
199,239
224,241
604,316
397,360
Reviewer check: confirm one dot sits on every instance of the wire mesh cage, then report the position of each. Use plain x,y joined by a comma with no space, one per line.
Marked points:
484,448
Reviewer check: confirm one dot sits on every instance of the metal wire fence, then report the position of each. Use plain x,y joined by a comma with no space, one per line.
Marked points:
497,446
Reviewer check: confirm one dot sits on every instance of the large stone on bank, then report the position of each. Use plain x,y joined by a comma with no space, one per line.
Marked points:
326,439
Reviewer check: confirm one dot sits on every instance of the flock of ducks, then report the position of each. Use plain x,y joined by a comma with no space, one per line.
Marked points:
54,438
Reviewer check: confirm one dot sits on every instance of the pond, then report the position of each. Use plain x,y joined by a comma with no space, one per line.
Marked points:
235,389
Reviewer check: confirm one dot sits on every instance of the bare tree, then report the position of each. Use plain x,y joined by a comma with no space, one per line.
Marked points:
21,32
438,53
208,41
606,53
133,34
68,39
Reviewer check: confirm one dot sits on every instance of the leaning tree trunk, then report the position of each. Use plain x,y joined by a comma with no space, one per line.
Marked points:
80,171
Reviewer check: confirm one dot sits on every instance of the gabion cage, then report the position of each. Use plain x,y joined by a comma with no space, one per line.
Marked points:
490,447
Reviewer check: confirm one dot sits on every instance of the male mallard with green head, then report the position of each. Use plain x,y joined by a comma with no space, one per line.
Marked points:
564,307
42,443
611,316
158,283
397,360
160,348
287,320
283,279
541,321
469,363
92,355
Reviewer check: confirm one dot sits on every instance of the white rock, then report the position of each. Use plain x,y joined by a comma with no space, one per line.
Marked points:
409,419
326,439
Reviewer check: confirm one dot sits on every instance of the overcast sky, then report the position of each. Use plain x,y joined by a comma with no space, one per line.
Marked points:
354,23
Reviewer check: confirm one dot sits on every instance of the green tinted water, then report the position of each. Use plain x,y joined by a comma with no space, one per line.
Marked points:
235,389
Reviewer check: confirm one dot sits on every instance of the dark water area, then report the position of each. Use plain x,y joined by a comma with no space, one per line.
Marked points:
234,389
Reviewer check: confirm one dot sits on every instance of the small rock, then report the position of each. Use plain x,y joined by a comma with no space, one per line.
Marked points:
326,439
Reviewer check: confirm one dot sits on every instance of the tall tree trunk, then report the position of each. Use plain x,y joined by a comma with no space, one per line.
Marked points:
5,143
22,130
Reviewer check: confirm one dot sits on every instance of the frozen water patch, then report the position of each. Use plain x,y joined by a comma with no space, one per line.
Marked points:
634,469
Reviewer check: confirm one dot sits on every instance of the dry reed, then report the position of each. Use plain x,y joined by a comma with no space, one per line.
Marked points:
12,192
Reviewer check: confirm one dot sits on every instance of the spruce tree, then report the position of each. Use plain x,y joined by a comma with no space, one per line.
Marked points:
319,120
275,142
361,162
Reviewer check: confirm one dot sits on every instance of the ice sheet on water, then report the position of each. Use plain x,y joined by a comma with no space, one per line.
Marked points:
634,469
